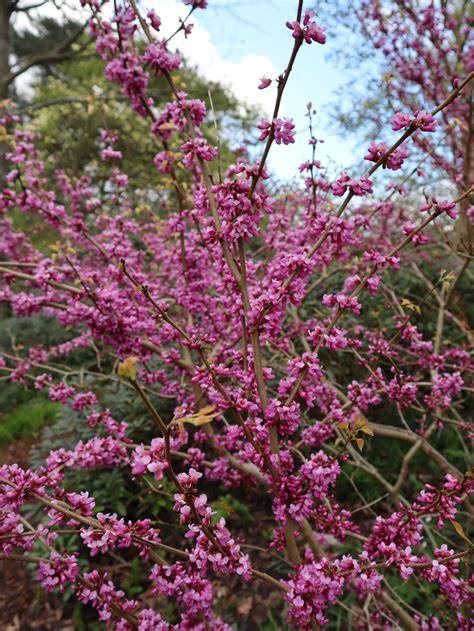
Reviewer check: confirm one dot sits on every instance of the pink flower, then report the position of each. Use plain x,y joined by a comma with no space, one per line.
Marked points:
264,83
425,121
394,161
264,127
110,154
401,121
164,162
418,238
154,20
190,479
197,148
308,30
58,571
420,119
196,4
151,459
381,260
160,59
60,392
341,301
358,187
186,28
282,130
82,502
83,400
447,207
443,206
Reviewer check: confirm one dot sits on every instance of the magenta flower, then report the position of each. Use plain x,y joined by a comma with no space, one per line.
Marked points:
264,127
358,187
425,121
393,161
159,59
58,571
264,83
444,206
154,20
421,119
401,121
283,130
196,4
308,30
110,154
342,301
447,207
197,148
150,459
164,162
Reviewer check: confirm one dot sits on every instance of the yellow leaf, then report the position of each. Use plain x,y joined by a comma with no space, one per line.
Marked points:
459,529
142,208
127,369
446,278
360,443
409,305
208,409
167,126
202,417
362,425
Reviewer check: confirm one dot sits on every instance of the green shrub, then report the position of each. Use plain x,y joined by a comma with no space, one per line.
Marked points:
26,419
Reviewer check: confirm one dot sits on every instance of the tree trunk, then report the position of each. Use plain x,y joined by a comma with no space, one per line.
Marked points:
5,13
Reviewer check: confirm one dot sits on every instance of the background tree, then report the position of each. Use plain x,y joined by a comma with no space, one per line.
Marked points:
70,107
418,50
42,43
39,45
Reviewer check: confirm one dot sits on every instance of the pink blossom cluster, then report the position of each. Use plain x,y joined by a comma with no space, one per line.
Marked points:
420,119
307,30
275,337
280,128
360,187
394,160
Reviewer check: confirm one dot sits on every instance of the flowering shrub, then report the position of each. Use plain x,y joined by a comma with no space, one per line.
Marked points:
247,309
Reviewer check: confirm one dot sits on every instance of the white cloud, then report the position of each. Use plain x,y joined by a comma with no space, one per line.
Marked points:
242,77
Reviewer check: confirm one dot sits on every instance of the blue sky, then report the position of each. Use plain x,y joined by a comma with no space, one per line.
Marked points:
259,27
238,41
